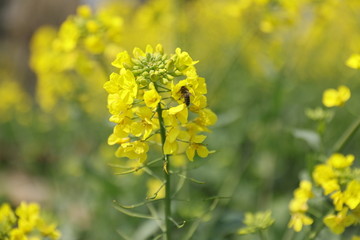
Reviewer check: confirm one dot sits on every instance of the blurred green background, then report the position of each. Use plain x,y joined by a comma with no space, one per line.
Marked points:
265,62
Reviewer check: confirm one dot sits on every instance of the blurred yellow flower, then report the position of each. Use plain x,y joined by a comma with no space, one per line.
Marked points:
28,225
353,61
336,97
14,101
338,160
298,206
156,189
298,220
258,221
28,216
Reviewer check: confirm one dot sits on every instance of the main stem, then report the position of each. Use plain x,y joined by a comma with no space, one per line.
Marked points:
347,135
166,175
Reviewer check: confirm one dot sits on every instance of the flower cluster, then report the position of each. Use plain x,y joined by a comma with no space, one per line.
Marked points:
151,90
14,101
341,183
299,206
71,62
25,223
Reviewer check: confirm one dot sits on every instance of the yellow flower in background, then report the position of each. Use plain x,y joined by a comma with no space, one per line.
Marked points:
70,62
298,220
304,192
337,223
353,61
15,103
156,189
336,97
325,176
338,160
258,221
28,216
7,218
27,225
298,206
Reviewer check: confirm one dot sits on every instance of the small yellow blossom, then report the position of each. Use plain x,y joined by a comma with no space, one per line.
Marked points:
152,97
337,223
298,220
352,194
28,216
122,58
179,112
336,97
147,125
325,176
7,218
133,150
17,234
298,206
338,200
353,61
304,191
338,160
120,135
197,146
84,11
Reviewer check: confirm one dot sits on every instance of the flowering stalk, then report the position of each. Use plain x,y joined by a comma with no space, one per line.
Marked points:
158,98
166,175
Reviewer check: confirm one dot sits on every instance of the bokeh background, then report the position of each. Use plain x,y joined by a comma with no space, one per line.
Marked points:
265,63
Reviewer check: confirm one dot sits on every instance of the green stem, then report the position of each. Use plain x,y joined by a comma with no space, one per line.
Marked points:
262,235
314,233
339,145
166,175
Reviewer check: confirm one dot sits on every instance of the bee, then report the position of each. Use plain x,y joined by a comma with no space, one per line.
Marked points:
185,94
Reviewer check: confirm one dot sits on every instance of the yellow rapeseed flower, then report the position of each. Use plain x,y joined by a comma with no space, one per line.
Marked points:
28,225
338,160
353,61
152,97
336,97
298,206
337,223
352,194
298,220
